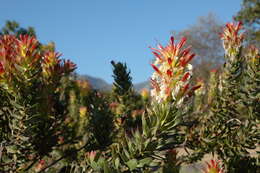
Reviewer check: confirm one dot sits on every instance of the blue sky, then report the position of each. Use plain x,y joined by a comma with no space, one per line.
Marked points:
93,32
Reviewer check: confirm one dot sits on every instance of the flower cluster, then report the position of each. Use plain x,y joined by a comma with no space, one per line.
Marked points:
231,37
52,65
171,79
21,59
22,51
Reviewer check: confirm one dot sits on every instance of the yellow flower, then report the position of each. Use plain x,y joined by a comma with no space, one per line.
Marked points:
145,93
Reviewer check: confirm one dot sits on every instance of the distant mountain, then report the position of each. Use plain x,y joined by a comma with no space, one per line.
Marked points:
96,83
100,84
139,86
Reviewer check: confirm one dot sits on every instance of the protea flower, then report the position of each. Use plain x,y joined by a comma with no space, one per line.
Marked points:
213,167
27,45
52,65
171,79
232,39
8,48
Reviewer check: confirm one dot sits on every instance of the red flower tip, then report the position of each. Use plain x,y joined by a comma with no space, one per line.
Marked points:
239,25
185,51
157,55
182,42
196,87
185,88
42,162
172,40
156,69
185,60
155,85
169,61
185,77
190,57
169,73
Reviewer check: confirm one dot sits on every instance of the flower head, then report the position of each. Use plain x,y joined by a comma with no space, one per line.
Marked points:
231,37
213,167
52,65
171,79
27,45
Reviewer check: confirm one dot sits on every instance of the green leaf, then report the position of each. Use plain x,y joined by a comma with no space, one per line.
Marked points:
132,164
11,149
144,125
16,105
145,161
106,168
117,162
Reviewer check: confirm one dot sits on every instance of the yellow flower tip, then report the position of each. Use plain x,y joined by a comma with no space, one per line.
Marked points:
144,93
82,111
